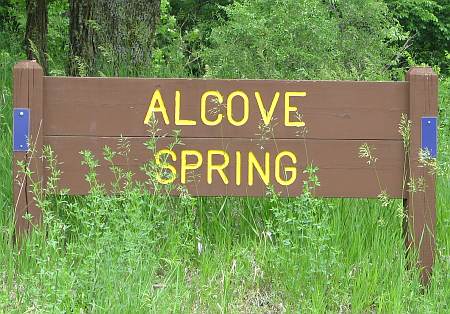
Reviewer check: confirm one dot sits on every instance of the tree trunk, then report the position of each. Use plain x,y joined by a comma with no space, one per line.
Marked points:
81,32
36,32
127,30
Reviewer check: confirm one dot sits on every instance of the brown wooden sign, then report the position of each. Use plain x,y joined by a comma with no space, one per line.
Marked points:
238,136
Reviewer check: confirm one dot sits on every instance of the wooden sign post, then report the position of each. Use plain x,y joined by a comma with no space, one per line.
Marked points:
27,133
421,205
239,136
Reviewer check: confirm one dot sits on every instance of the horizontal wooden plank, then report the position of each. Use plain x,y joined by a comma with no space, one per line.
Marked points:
330,109
341,172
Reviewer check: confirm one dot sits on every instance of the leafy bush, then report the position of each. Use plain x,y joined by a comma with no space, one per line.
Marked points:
196,19
428,25
303,40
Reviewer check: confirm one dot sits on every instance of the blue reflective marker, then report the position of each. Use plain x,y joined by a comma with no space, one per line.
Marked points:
21,129
429,135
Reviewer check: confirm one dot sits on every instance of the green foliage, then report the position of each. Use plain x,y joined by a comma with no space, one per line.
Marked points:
12,27
58,36
428,25
302,40
196,19
13,30
7,61
7,15
444,126
168,56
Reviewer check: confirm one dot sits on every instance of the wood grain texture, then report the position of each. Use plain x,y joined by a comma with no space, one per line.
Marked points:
36,140
21,85
341,172
331,109
28,93
421,205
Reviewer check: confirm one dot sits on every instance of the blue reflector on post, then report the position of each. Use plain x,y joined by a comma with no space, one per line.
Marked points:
429,135
21,128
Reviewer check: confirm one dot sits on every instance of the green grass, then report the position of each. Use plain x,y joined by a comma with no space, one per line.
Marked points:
140,253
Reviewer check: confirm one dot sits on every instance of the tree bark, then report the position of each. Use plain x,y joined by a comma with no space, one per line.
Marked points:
82,38
127,28
36,32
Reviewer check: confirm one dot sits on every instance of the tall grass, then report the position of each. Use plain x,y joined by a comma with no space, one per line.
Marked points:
6,64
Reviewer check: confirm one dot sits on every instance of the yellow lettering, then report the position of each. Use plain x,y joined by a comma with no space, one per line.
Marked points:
253,163
205,96
165,165
185,166
292,170
178,120
156,100
238,168
267,115
230,108
288,109
219,168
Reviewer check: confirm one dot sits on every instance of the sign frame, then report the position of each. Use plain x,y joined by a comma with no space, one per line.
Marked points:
50,99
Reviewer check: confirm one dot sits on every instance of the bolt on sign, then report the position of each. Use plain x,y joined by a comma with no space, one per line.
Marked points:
237,137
